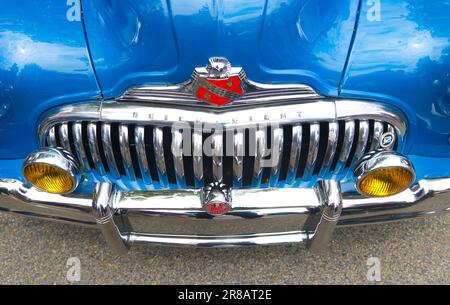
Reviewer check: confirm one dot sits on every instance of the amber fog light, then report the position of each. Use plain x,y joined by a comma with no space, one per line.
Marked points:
383,174
53,170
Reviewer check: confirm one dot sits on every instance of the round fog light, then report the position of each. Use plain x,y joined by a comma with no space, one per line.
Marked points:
52,170
384,174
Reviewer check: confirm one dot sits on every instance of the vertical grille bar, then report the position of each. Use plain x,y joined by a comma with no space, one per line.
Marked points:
333,134
296,147
349,134
126,154
314,138
159,156
238,156
51,137
362,140
109,154
197,159
260,149
277,149
217,154
377,131
177,145
139,135
64,136
93,147
79,147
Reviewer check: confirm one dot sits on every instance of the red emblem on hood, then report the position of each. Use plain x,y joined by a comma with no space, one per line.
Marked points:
218,83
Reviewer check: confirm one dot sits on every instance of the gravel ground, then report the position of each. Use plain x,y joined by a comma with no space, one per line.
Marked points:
411,252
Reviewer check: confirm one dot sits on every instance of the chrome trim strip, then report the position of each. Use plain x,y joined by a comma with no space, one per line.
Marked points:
217,153
362,140
177,153
78,143
93,146
197,144
260,150
314,138
296,148
159,156
333,134
238,155
377,132
64,136
139,134
346,146
278,139
109,154
127,162
51,138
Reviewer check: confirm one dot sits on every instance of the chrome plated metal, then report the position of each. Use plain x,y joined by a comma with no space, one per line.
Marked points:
346,146
338,158
377,132
64,136
78,142
94,149
159,156
51,138
124,143
139,133
260,152
197,143
382,159
238,155
314,139
259,216
103,210
217,156
108,148
277,151
56,157
296,147
333,134
177,152
329,192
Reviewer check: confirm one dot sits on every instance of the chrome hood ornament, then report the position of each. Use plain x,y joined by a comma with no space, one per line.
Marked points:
216,198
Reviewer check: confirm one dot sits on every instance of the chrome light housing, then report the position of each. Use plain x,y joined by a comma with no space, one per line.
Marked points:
53,170
383,173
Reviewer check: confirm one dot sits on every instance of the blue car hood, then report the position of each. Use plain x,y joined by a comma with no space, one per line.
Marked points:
278,41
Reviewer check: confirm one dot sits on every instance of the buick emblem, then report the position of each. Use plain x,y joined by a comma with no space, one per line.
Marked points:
218,83
387,139
216,198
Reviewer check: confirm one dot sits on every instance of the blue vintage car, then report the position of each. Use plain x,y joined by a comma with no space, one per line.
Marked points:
224,122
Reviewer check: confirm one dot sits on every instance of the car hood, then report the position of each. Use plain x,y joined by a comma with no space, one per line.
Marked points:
134,42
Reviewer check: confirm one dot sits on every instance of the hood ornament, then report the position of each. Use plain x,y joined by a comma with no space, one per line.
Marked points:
216,198
218,83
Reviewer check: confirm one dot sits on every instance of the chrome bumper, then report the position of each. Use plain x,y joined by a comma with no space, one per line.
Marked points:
259,216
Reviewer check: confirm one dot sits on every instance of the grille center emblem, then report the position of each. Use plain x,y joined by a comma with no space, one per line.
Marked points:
218,83
216,198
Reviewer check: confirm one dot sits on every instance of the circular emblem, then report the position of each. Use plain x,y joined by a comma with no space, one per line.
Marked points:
387,139
216,198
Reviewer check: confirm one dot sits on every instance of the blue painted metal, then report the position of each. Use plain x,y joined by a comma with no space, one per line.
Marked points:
48,56
43,62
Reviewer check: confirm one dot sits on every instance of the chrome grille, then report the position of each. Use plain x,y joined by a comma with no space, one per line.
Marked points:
141,155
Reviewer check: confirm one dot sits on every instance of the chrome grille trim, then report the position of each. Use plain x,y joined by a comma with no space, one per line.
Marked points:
138,153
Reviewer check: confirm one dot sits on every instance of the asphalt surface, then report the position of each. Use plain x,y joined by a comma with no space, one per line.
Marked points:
414,251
